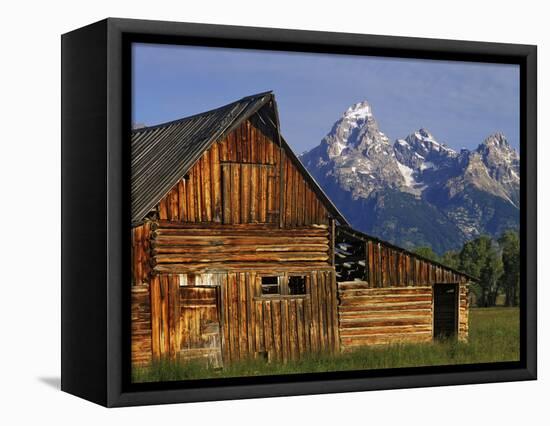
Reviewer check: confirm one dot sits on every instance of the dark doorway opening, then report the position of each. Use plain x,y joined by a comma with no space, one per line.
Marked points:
445,310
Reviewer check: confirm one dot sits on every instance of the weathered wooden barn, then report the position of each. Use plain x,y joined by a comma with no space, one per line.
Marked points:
238,253
387,294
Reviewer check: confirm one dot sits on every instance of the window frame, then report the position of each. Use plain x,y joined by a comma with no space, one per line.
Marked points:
283,279
279,286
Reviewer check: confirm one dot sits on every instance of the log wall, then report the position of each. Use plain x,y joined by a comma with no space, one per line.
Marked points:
195,248
377,316
390,315
244,178
141,325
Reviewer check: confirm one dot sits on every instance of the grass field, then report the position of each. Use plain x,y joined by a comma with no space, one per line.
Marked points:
494,336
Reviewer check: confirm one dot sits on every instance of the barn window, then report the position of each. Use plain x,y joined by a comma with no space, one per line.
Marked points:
284,285
297,284
270,285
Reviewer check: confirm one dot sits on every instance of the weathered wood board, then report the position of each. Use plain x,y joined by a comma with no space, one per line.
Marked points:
204,248
380,265
141,325
251,325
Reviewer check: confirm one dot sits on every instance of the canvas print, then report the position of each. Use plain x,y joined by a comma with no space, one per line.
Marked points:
303,212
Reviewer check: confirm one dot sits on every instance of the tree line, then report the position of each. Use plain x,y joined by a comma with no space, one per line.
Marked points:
494,262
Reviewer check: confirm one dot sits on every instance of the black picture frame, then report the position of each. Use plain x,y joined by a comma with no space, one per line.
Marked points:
95,211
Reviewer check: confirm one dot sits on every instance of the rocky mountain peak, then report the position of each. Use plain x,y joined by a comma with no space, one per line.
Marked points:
501,162
498,140
359,111
420,151
423,133
497,145
497,153
357,153
356,129
424,140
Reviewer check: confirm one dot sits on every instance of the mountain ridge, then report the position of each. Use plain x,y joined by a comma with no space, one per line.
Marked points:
382,186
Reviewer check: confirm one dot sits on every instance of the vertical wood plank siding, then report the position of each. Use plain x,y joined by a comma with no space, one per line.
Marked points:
278,328
238,181
381,265
141,269
141,325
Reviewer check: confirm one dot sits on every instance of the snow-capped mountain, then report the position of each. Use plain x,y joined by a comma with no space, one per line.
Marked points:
416,191
356,154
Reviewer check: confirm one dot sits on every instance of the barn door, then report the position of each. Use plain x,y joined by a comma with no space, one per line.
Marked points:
445,310
200,325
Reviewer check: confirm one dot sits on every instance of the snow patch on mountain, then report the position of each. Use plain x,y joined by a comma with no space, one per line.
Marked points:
408,174
358,111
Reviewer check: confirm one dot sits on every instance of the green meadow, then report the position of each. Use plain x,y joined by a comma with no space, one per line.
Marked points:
493,337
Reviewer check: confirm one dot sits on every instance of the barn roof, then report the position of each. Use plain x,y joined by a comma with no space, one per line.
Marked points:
163,154
365,237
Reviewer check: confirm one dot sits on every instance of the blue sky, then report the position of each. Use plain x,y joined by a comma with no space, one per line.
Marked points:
460,103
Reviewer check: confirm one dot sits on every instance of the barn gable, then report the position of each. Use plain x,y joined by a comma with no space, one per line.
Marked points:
188,170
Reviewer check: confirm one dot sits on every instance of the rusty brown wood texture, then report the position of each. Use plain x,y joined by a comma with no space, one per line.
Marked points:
183,248
228,314
141,262
141,325
279,328
382,265
238,181
376,316
370,316
197,324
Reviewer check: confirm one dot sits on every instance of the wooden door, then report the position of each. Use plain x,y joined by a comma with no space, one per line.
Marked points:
200,325
445,310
